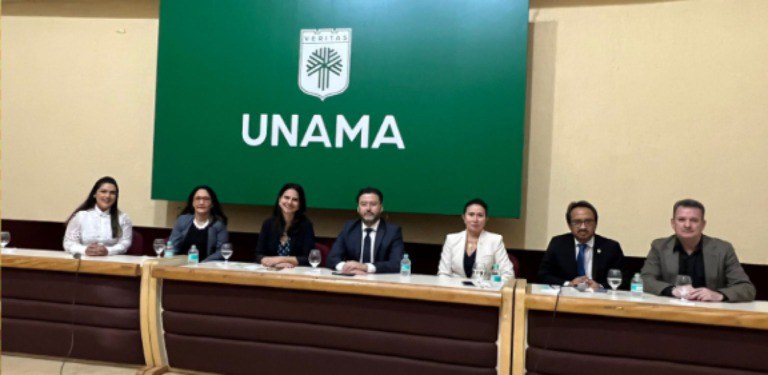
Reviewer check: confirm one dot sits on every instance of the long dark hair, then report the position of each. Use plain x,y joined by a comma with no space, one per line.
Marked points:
278,221
217,213
90,202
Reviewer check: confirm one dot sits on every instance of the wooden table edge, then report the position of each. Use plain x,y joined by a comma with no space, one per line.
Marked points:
70,265
332,285
650,311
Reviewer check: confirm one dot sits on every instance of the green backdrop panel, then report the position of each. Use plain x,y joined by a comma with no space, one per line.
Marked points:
423,99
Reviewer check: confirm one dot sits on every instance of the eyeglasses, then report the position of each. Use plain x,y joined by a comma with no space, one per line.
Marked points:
205,199
578,223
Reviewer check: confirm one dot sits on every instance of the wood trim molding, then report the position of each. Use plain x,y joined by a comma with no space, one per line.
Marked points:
153,370
145,312
190,372
650,311
154,318
332,285
505,328
519,341
154,311
70,265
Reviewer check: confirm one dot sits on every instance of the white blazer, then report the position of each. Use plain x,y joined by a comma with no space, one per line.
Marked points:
490,250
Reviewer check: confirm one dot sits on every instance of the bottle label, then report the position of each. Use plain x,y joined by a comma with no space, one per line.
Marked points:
636,287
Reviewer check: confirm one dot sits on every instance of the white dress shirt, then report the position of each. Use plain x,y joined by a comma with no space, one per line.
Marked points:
370,266
588,252
95,226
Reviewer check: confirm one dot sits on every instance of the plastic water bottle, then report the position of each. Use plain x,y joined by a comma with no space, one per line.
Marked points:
495,275
636,287
405,266
193,256
169,250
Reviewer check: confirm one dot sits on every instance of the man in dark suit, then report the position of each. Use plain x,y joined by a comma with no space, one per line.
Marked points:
580,257
714,270
370,244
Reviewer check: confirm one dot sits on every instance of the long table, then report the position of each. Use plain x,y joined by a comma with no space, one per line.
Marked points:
244,319
571,332
162,315
47,296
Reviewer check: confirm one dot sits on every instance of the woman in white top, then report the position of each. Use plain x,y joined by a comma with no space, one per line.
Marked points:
97,227
474,245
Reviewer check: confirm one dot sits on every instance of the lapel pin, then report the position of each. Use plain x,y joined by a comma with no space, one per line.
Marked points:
598,251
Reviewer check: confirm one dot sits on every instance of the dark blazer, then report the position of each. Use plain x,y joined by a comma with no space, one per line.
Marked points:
217,236
302,241
559,262
388,248
722,270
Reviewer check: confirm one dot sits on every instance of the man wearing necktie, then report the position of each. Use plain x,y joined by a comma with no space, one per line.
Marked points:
580,257
369,244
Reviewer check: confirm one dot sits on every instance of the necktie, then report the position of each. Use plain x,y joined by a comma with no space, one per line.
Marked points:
581,270
367,246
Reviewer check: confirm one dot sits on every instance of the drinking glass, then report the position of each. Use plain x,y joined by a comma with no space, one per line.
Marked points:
159,246
226,252
315,257
683,285
5,239
478,274
614,280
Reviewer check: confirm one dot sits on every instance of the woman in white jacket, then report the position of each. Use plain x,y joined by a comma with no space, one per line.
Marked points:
464,249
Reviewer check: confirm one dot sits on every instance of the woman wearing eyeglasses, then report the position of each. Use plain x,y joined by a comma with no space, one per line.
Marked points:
202,223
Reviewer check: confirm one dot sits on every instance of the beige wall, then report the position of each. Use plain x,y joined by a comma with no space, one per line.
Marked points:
632,105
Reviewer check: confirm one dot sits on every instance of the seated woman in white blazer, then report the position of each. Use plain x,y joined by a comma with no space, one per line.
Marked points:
474,245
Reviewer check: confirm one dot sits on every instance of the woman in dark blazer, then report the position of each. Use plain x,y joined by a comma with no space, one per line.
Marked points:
287,237
202,223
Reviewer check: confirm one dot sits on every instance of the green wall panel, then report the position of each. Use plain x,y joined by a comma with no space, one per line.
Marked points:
448,76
